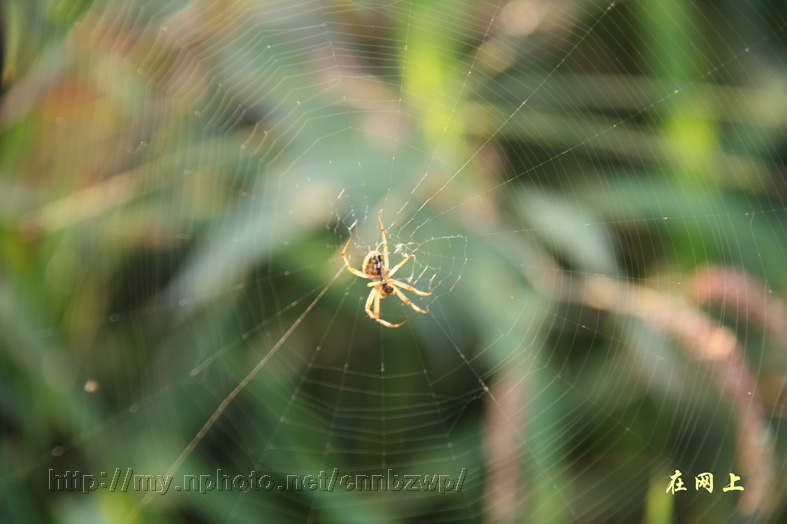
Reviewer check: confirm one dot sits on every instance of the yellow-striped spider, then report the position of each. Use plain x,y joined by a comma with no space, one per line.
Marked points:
375,266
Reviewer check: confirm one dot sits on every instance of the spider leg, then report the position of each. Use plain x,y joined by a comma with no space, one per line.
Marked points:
368,307
397,266
351,269
374,297
385,242
399,283
407,287
388,324
406,300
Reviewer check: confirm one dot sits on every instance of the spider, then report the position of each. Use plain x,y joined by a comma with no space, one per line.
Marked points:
376,267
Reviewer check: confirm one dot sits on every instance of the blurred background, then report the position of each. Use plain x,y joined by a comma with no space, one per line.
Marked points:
592,191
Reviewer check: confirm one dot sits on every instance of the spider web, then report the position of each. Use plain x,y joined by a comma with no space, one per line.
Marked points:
600,222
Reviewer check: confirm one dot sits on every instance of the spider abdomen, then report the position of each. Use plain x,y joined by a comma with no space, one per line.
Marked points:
373,265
